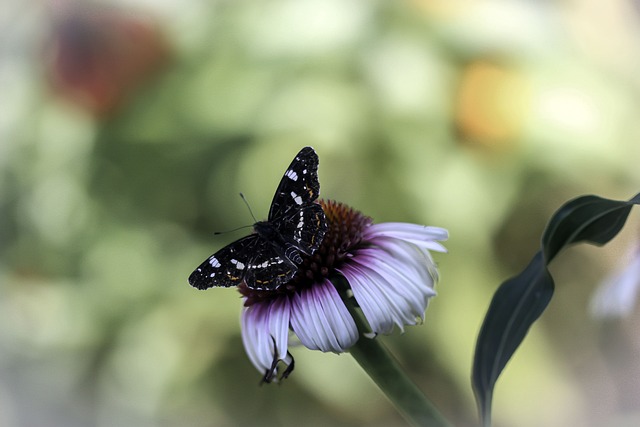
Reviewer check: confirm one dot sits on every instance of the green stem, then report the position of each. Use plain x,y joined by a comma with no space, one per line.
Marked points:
385,371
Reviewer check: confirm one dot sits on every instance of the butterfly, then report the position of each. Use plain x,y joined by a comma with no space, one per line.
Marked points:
272,254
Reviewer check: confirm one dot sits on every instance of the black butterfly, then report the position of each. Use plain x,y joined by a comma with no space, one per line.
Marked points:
272,255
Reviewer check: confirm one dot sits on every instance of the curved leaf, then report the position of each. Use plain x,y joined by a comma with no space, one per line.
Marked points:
587,218
519,301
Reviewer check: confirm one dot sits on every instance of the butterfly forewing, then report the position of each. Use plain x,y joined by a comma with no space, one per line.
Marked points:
271,256
299,185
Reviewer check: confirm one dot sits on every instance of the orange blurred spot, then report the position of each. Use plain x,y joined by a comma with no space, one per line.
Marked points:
492,104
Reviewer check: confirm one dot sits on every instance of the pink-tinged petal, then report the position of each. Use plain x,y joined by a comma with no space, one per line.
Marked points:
405,256
321,320
393,278
374,310
416,260
409,293
406,230
420,235
414,257
402,279
380,304
265,333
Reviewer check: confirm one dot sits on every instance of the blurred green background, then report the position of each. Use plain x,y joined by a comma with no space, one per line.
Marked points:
127,130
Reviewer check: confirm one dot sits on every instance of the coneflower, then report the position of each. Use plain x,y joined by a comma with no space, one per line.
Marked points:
386,268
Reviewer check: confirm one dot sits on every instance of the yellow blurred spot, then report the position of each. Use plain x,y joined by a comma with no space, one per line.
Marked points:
491,105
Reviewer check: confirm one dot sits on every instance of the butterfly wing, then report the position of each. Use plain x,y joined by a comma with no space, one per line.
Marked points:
228,266
298,187
304,228
251,259
294,214
269,267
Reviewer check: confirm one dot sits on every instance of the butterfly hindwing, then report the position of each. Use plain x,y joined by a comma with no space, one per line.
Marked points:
227,267
305,227
271,266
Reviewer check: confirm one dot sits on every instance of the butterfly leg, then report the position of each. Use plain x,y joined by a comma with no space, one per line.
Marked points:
271,372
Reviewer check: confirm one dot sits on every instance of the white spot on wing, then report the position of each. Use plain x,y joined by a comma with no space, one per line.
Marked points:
292,175
238,264
214,262
296,198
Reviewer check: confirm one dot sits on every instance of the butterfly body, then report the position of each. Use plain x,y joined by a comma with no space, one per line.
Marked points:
271,256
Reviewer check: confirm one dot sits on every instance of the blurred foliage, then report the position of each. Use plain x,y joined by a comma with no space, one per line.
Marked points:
481,116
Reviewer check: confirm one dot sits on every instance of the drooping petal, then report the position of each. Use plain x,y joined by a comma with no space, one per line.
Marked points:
321,320
412,256
369,297
383,301
409,284
392,278
265,334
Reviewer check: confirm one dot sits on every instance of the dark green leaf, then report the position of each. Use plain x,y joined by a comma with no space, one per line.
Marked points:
514,307
519,301
587,218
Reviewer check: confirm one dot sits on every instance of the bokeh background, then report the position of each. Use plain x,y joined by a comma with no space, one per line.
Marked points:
127,130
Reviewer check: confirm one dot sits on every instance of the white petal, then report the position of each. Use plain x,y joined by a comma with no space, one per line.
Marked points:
321,320
403,279
418,259
264,330
420,235
374,311
405,293
380,305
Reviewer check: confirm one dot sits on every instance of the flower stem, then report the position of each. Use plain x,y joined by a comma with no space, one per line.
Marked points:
385,371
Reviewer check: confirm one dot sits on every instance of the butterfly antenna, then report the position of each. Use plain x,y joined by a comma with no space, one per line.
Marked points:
215,233
248,207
